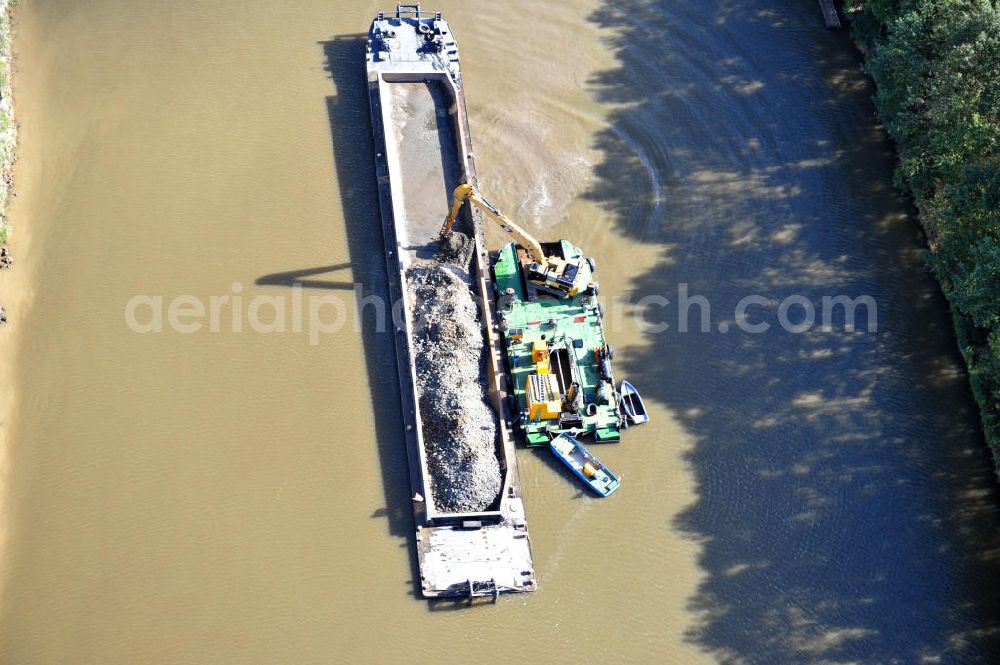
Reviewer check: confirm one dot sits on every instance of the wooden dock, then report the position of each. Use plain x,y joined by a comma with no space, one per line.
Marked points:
829,14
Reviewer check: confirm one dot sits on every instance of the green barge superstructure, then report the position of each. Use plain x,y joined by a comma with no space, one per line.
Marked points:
558,356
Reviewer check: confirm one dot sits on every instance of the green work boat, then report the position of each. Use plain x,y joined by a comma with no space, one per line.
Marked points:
556,350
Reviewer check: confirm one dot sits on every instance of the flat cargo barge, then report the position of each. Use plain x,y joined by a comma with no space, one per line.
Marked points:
423,150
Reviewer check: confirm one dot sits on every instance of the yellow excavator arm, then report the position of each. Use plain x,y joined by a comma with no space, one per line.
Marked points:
553,274
466,192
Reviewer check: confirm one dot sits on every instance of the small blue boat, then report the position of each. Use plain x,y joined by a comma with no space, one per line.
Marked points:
583,463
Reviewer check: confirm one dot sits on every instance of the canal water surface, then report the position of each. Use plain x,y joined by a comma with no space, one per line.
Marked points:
224,496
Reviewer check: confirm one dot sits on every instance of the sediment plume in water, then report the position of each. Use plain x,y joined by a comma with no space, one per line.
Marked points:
459,425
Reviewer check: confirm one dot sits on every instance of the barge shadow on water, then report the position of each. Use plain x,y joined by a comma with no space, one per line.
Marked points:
422,151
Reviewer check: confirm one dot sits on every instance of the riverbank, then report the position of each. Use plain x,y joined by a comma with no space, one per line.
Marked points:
9,282
8,128
936,72
8,139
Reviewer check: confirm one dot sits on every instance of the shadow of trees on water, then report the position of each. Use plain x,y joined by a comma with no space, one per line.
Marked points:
845,503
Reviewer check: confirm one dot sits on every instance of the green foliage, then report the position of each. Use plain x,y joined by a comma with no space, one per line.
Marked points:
937,70
4,233
975,285
936,65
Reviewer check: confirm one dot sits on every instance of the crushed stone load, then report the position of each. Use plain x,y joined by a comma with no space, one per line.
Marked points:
459,425
457,248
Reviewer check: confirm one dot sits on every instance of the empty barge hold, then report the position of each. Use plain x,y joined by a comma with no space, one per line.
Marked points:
471,533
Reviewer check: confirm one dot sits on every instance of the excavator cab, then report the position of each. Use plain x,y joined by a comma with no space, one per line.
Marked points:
558,276
544,266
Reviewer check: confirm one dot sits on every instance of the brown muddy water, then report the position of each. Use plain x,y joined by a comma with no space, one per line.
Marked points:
240,497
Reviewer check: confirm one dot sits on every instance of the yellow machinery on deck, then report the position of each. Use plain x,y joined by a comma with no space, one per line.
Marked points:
544,400
543,395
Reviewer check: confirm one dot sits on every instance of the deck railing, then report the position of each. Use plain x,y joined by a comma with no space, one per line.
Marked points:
410,10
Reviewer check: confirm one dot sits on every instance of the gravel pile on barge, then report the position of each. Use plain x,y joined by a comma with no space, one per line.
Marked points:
459,425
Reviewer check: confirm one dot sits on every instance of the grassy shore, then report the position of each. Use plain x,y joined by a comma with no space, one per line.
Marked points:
936,66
